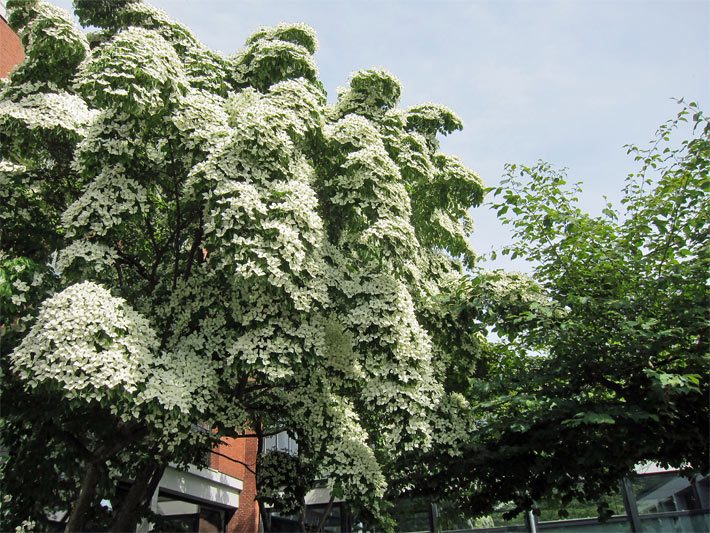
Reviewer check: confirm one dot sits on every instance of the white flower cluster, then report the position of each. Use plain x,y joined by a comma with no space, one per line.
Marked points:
401,388
97,348
276,54
183,380
453,424
97,256
47,111
349,460
87,342
201,120
105,203
53,45
136,70
371,93
377,259
432,119
261,220
204,69
366,183
13,189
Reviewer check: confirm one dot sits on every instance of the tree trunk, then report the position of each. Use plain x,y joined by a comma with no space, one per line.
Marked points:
265,518
138,498
321,524
302,519
302,523
77,518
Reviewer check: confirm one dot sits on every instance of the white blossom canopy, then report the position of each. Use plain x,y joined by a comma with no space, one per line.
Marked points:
228,247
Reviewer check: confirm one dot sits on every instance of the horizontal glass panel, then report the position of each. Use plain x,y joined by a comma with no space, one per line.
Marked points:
589,527
662,493
676,524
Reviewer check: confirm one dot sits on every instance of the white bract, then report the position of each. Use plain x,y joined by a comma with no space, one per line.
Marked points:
231,248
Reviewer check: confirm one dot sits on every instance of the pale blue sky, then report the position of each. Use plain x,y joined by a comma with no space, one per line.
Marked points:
566,81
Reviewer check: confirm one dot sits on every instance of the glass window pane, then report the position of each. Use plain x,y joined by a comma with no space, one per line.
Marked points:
181,514
282,439
664,492
211,520
591,526
703,487
270,442
676,524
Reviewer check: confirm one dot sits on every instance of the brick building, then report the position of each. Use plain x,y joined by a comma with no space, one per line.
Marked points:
212,500
11,52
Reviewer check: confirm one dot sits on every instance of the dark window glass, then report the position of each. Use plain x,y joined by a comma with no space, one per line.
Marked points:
183,514
663,493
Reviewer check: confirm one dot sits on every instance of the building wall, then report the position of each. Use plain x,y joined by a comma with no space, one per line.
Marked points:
237,458
11,52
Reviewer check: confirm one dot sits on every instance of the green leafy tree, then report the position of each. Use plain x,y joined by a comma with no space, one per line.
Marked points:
194,239
604,353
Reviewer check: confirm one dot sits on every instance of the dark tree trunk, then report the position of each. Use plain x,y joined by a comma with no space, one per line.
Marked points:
302,519
138,498
265,518
321,524
126,435
87,492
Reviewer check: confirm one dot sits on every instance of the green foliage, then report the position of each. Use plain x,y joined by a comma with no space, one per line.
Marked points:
603,352
58,48
101,13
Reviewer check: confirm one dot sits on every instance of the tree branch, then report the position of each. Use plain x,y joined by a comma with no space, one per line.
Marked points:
250,468
194,248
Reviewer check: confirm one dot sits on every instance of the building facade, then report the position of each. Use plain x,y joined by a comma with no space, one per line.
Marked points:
211,500
11,52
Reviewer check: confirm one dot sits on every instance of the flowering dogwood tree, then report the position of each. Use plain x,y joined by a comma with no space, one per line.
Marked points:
193,239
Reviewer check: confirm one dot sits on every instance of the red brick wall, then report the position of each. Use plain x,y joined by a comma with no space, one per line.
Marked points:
246,519
11,52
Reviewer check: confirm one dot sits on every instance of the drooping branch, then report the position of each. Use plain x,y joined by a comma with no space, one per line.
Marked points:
126,436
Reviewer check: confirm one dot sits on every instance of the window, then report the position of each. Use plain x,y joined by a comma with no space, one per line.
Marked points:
281,442
182,514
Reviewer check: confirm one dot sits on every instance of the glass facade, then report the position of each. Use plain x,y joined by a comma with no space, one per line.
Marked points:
699,523
183,514
665,492
661,502
337,519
